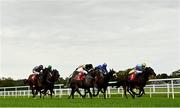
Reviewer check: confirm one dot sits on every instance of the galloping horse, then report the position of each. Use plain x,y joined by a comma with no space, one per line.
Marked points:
38,84
140,82
51,78
101,81
86,84
35,84
125,81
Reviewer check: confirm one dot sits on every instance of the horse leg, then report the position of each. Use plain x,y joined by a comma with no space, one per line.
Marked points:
104,93
36,93
90,92
85,93
40,93
44,93
33,92
97,92
124,88
141,92
72,93
51,92
78,91
131,92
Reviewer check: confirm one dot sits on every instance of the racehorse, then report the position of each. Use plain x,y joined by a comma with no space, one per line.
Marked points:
50,78
42,83
140,82
35,84
125,81
85,84
101,81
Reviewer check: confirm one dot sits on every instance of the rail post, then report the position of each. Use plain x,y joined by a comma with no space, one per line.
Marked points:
172,86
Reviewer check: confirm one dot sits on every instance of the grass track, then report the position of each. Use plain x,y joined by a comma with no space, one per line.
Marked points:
115,101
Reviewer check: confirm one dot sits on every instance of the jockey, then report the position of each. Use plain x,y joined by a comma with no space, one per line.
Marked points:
138,69
80,71
102,68
38,69
88,67
44,76
50,68
81,68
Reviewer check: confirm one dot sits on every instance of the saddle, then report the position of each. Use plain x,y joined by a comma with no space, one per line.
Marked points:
34,77
80,76
132,76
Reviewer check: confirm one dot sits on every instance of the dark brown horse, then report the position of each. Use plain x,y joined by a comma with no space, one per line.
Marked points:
85,84
138,83
101,81
50,79
35,84
42,83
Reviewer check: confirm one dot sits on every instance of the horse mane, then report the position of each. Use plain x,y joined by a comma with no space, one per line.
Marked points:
146,73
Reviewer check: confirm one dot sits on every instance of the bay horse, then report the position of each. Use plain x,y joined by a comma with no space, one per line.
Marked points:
101,82
35,84
86,84
50,78
42,83
140,82
124,80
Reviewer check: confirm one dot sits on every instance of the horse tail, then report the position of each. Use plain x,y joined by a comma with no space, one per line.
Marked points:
68,80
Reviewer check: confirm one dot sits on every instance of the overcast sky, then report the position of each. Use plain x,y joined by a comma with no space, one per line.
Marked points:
66,33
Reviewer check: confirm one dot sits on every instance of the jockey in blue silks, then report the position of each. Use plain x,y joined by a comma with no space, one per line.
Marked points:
102,68
139,68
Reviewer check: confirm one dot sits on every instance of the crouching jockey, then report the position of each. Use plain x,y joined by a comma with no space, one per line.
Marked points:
80,72
102,68
38,71
135,72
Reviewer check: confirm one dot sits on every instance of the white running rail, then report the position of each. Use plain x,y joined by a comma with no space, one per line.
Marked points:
169,88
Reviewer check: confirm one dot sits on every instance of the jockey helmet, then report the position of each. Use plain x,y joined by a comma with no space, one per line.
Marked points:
41,66
104,65
143,64
80,66
49,66
138,67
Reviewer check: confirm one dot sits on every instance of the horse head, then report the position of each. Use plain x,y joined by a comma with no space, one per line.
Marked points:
112,74
93,72
55,75
149,72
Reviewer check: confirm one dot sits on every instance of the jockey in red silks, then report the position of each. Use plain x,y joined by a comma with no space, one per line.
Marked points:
137,71
38,71
83,70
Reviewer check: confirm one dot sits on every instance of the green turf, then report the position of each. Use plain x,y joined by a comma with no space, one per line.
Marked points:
114,101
